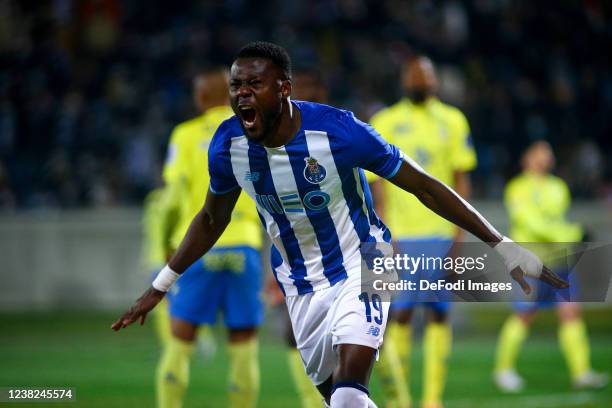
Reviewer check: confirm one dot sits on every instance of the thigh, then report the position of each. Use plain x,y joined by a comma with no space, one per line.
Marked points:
357,316
196,297
310,325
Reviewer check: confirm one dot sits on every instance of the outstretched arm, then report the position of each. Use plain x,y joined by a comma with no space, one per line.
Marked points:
448,204
205,229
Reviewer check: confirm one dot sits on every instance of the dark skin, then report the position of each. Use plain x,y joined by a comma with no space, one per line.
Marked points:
259,85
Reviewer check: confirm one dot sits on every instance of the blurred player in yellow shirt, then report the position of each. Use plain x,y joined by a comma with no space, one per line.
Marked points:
228,279
537,204
155,236
437,137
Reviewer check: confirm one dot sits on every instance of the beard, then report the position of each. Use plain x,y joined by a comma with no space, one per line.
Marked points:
269,124
417,96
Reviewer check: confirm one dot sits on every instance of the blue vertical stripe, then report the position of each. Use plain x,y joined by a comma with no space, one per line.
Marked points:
351,195
264,185
276,260
321,220
373,217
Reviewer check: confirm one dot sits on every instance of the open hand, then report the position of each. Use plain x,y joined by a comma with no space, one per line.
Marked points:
546,276
139,310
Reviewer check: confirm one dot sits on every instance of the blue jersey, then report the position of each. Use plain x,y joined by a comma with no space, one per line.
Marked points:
311,194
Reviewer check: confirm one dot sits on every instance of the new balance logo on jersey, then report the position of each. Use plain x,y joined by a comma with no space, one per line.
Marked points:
251,176
374,331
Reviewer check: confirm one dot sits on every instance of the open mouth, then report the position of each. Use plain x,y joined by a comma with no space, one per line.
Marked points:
248,116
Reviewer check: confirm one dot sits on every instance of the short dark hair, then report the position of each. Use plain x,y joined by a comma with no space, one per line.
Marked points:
275,53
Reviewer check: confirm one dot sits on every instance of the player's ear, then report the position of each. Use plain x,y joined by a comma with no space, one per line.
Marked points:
286,88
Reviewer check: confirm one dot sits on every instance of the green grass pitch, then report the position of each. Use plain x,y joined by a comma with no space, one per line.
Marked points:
117,369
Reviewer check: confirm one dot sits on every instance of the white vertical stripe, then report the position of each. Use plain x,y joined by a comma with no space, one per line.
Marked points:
285,184
320,149
239,153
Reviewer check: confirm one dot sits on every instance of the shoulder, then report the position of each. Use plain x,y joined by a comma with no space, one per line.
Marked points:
227,130
153,198
558,182
387,114
451,112
515,184
316,113
183,130
189,125
222,139
320,117
216,115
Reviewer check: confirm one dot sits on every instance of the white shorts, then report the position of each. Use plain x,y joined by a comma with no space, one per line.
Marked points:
337,315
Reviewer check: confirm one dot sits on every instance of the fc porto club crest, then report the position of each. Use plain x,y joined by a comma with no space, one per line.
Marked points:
314,173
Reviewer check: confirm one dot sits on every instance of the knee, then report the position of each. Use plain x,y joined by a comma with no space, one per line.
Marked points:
527,317
437,316
402,316
242,335
183,330
568,312
355,364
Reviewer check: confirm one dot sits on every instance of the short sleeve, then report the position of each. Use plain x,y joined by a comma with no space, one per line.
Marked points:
222,179
463,155
370,151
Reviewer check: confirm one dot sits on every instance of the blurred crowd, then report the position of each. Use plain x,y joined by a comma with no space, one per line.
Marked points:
90,89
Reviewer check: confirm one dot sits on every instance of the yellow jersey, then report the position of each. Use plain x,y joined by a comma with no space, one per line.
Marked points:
437,136
537,207
187,180
154,234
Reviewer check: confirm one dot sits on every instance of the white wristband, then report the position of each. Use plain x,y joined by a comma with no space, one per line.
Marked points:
165,278
515,256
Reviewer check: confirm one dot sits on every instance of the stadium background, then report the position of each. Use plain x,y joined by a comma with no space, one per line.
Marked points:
89,91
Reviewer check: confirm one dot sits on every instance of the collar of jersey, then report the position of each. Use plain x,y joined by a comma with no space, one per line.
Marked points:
300,130
428,104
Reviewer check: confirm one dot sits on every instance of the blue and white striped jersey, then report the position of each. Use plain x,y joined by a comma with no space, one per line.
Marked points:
311,194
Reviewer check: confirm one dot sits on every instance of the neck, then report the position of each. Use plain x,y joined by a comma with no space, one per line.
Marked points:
286,127
536,173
